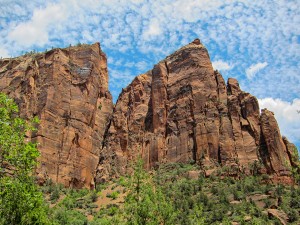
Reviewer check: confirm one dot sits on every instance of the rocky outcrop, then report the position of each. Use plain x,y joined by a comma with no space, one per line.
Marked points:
182,111
280,215
68,90
275,153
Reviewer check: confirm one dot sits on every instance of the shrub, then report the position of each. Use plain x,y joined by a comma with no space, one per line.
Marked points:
93,196
114,195
69,217
55,195
293,215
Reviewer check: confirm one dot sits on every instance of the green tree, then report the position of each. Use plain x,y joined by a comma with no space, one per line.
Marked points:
145,202
20,200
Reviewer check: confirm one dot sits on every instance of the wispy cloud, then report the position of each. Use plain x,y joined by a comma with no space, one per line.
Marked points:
254,69
35,31
153,29
221,65
136,34
4,53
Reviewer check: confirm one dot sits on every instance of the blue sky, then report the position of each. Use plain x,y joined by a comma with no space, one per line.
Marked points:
255,41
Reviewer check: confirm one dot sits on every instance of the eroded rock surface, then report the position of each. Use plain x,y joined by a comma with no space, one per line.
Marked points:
182,111
275,152
68,90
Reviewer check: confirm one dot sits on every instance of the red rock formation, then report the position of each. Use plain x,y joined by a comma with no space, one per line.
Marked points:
68,90
278,159
182,111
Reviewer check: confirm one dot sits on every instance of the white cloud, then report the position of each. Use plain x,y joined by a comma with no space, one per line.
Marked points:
141,66
35,31
254,69
153,29
286,114
242,32
221,65
4,53
137,34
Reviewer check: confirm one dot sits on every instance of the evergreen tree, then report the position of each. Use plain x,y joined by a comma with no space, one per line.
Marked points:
145,202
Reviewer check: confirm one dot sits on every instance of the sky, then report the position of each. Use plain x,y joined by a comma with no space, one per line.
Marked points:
255,41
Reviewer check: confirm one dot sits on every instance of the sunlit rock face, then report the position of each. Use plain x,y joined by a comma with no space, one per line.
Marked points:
183,111
68,90
180,111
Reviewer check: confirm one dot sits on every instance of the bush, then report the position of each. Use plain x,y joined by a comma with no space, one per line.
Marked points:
68,202
293,215
114,195
93,196
267,202
55,195
238,195
69,217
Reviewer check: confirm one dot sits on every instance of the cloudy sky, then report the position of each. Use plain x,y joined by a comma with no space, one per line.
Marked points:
255,41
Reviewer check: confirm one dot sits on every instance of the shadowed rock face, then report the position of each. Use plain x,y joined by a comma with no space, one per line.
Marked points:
68,90
180,111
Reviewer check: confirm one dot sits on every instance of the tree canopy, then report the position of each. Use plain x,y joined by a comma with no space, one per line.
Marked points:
20,200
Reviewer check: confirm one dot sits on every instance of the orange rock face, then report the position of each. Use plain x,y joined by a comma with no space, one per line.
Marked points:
277,159
182,111
68,90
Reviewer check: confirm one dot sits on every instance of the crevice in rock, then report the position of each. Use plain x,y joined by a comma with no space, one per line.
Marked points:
148,119
168,70
43,136
219,155
106,132
231,123
167,100
75,140
264,154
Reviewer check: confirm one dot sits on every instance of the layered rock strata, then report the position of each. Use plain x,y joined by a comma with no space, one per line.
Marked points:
68,90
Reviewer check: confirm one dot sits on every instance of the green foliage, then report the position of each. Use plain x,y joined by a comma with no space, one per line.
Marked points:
63,216
168,196
293,215
55,195
21,203
114,195
93,196
15,152
111,215
145,202
20,200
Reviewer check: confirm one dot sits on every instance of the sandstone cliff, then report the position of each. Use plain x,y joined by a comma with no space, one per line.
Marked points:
68,90
180,111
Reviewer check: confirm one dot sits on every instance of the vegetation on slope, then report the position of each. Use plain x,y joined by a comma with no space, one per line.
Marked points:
172,194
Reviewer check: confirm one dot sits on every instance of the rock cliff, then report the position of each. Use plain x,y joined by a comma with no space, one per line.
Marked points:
68,90
180,111
183,111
